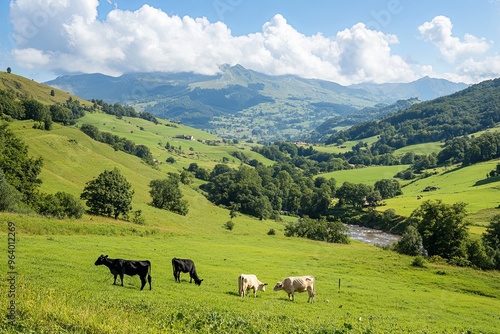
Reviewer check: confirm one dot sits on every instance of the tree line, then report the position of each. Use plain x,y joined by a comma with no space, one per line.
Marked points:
119,143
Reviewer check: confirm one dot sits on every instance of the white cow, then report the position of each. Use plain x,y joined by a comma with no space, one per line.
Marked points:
247,282
297,284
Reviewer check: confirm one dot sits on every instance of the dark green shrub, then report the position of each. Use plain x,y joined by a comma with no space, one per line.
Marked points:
419,261
229,225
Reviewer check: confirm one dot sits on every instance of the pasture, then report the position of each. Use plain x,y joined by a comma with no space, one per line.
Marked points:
60,290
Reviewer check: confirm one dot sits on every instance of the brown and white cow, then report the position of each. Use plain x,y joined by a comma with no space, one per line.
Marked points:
297,284
250,281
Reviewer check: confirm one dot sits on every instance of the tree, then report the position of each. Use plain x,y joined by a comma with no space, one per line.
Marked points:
20,170
186,177
318,229
61,114
492,235
9,70
110,194
443,228
410,243
167,195
10,198
52,92
388,188
39,113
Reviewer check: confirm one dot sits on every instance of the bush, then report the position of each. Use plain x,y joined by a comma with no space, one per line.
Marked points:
229,225
61,205
138,219
419,261
410,243
271,232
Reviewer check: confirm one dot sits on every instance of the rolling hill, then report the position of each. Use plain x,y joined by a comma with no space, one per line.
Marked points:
243,103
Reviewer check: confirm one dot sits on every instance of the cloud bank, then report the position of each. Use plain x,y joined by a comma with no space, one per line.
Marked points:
66,36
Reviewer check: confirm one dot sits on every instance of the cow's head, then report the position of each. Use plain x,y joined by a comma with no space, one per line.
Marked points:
198,281
101,259
278,286
262,287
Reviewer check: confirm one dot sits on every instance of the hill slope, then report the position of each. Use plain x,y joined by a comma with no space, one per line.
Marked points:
30,89
471,110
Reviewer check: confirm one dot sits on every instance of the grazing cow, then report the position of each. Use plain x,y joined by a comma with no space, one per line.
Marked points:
247,282
121,267
185,266
297,284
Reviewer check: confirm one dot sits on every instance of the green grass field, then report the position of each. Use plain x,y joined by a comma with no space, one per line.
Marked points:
59,290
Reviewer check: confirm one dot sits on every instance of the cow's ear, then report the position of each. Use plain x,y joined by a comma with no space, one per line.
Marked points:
265,283
106,256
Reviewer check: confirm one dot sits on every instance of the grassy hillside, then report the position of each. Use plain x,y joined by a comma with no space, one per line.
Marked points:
32,89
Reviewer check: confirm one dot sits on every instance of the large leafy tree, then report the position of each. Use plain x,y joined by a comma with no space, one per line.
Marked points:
166,194
388,188
492,234
410,243
443,228
110,194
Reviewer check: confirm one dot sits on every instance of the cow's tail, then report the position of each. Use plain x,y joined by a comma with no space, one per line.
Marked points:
149,275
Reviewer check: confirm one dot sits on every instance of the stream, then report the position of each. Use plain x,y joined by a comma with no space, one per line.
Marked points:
371,236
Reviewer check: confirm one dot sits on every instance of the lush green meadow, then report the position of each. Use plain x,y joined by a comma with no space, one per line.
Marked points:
58,288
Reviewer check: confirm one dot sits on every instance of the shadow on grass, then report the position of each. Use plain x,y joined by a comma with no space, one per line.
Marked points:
487,181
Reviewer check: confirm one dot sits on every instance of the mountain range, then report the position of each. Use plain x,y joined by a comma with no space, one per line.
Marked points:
238,102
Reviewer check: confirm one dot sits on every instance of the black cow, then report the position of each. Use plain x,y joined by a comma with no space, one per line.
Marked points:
129,267
185,266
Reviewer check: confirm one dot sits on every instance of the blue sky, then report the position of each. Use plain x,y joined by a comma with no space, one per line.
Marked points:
342,41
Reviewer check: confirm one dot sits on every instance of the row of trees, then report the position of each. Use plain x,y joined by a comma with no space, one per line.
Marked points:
118,143
120,111
440,230
18,107
313,162
264,192
470,150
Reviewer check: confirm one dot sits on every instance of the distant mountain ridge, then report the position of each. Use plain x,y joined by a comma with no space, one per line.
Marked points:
239,102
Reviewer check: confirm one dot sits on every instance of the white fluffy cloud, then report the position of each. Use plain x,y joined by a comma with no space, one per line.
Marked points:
67,36
439,32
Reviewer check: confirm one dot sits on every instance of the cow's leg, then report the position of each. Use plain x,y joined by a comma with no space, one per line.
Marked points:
149,281
121,278
114,283
143,282
254,292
